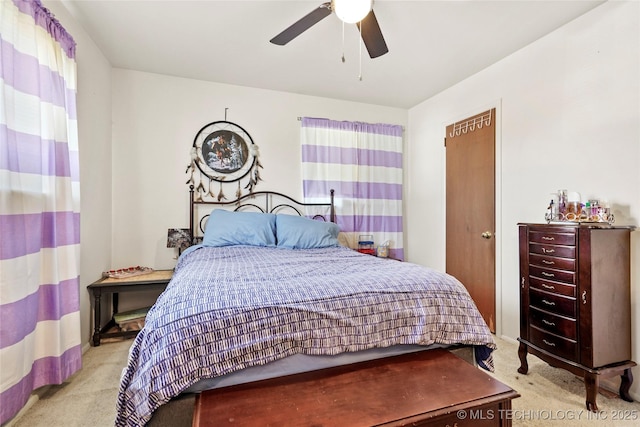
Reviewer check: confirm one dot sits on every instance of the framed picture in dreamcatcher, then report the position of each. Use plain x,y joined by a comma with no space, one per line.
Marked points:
223,152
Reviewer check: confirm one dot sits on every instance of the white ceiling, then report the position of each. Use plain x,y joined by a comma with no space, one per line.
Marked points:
432,44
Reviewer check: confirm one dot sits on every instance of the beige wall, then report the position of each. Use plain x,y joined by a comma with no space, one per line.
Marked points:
568,110
155,119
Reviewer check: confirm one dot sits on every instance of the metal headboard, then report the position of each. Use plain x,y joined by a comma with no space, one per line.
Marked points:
258,201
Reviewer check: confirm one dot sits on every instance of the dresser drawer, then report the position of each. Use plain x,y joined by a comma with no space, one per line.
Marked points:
554,303
557,325
554,344
554,275
553,262
557,251
553,238
553,287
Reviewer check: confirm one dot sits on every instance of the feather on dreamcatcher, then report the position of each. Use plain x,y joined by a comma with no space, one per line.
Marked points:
223,152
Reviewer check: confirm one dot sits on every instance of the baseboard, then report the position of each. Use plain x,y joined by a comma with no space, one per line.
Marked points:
509,339
33,399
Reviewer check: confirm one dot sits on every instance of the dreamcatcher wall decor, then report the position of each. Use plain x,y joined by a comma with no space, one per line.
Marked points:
223,152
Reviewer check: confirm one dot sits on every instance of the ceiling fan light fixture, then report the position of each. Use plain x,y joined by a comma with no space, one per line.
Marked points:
352,11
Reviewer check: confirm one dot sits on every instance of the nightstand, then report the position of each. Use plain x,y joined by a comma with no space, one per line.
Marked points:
156,280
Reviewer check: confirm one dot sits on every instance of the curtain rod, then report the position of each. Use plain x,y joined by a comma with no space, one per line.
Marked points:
300,119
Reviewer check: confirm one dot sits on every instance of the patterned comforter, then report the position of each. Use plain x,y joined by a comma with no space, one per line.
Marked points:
229,308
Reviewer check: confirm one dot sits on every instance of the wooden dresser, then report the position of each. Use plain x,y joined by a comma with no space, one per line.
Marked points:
575,302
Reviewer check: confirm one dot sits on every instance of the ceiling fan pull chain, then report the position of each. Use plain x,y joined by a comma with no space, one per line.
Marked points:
360,52
343,60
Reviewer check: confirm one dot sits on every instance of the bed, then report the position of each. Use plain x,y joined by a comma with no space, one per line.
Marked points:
270,293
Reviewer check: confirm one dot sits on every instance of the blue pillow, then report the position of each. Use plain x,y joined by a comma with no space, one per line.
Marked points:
227,228
298,232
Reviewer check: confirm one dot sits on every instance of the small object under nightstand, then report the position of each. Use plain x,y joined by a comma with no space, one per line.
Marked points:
156,280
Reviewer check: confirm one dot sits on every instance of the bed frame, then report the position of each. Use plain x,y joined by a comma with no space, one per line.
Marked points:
180,410
257,201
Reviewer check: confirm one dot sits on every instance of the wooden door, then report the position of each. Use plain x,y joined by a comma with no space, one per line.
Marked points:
470,209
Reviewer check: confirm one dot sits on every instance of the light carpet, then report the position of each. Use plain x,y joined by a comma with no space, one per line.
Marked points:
549,396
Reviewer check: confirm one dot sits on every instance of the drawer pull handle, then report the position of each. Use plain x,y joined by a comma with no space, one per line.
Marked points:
544,285
548,251
548,302
544,261
548,238
552,344
584,297
544,273
546,322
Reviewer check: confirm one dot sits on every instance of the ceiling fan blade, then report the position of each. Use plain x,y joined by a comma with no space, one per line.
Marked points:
302,25
372,35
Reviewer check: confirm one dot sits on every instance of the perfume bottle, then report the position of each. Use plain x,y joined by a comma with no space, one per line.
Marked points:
593,211
551,211
562,201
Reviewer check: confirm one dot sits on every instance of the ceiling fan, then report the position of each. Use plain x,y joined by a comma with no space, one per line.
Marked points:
362,16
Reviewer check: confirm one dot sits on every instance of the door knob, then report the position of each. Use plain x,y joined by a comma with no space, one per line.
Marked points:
486,235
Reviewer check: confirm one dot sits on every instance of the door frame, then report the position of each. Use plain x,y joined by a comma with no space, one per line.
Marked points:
497,104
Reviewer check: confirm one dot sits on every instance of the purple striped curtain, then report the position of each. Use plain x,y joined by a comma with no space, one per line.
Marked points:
39,205
363,163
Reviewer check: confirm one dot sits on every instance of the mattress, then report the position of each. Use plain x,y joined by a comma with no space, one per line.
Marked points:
299,363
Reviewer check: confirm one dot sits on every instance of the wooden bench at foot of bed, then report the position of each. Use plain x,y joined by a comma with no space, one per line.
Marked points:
429,388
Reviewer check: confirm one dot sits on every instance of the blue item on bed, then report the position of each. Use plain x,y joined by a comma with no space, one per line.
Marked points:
228,228
233,307
298,232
